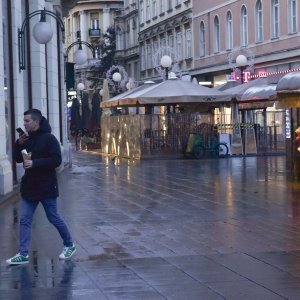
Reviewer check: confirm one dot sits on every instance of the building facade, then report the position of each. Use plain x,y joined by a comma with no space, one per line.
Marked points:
88,21
166,27
40,85
266,32
127,46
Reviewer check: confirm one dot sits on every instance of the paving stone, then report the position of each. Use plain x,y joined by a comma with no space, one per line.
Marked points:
163,229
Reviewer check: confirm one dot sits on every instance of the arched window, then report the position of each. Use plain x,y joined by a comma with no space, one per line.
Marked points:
188,40
229,31
275,18
244,27
216,34
259,21
292,16
202,39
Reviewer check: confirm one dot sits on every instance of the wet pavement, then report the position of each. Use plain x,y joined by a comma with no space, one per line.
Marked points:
163,229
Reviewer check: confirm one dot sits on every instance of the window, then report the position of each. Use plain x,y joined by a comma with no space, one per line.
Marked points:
179,45
134,34
171,41
143,60
259,21
155,49
94,21
119,39
292,17
133,24
142,20
177,2
275,18
169,4
229,28
202,39
216,34
154,7
163,42
162,6
128,26
244,27
149,55
188,36
148,12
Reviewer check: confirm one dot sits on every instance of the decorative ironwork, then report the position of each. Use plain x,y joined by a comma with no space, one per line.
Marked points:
124,76
165,50
245,51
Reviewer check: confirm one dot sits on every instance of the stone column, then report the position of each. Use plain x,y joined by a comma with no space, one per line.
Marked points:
6,180
106,19
74,28
83,26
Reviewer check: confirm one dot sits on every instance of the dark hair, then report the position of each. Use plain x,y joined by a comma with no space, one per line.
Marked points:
34,113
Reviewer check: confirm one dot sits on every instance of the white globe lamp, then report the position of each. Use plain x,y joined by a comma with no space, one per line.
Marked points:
80,86
166,61
117,77
80,57
241,60
42,32
101,92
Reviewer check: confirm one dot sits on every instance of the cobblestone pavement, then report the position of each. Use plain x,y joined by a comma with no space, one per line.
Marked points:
163,229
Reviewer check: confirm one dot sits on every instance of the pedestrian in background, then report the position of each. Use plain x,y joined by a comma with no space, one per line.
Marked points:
39,183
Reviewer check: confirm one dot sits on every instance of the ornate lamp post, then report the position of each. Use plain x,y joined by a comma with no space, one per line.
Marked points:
241,63
166,63
80,86
42,32
80,56
117,77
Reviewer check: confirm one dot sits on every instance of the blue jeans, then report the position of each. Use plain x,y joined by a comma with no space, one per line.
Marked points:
27,210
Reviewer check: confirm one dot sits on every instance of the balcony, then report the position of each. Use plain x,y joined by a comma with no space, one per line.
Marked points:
94,32
127,53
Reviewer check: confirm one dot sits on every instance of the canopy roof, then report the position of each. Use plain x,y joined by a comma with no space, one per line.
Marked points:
112,102
260,93
289,83
172,91
260,88
288,91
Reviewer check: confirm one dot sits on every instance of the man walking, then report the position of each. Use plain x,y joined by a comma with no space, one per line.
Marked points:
39,183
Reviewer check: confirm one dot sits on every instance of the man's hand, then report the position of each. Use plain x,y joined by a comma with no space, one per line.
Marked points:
23,138
27,164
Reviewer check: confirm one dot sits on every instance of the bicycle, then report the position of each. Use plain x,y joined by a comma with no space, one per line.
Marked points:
196,147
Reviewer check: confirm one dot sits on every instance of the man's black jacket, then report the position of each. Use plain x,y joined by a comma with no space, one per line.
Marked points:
40,181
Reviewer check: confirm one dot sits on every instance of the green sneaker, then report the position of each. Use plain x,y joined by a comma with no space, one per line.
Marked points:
67,252
18,259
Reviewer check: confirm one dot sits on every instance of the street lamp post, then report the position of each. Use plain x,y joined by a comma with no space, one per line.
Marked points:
80,88
117,77
80,56
166,63
42,32
241,63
